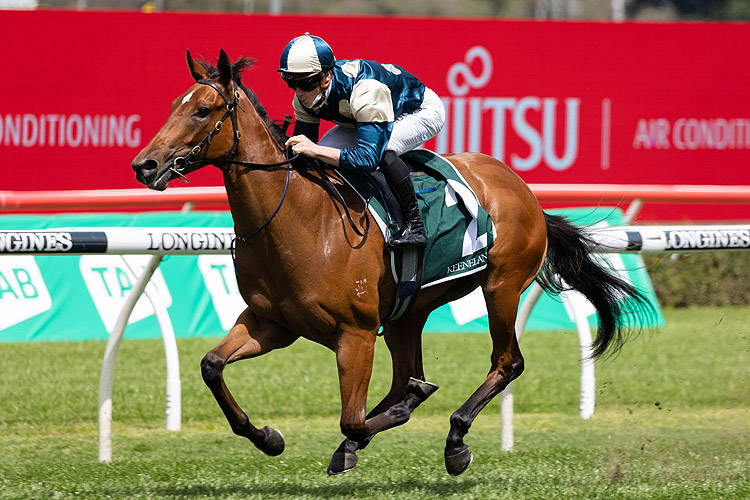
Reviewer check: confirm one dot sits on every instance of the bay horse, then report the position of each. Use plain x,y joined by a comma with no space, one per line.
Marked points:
304,271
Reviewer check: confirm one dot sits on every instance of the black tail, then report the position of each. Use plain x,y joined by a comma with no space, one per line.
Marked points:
571,265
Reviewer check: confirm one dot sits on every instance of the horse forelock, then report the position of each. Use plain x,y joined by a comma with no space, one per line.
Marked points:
238,67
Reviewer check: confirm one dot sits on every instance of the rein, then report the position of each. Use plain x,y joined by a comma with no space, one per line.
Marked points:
183,165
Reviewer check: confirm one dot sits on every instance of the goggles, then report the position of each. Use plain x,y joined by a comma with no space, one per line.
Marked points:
304,83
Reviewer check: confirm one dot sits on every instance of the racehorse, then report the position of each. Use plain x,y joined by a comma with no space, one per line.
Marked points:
305,271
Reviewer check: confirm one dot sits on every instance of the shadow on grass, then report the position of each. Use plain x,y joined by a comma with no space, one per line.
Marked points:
405,488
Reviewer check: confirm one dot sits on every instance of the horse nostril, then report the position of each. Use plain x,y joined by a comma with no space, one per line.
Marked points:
146,167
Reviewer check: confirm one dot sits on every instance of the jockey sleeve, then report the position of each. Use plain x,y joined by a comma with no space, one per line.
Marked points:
367,96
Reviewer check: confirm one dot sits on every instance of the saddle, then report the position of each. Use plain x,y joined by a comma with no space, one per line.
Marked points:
459,232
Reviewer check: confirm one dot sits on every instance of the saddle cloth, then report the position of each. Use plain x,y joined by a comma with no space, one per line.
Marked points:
459,231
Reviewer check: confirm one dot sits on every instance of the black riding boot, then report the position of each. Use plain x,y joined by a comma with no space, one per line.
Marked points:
397,175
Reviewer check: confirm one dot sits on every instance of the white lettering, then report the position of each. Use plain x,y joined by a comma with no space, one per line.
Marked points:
91,130
30,130
12,130
132,133
75,130
498,105
571,133
466,119
528,134
692,133
652,134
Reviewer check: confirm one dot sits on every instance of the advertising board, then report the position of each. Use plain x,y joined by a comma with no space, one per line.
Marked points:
52,296
559,102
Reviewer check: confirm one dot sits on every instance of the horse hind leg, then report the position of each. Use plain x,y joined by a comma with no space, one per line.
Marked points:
247,339
506,365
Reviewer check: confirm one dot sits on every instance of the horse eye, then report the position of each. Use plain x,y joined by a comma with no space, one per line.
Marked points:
203,111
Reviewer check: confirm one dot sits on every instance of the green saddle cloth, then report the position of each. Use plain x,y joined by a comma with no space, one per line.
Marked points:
459,231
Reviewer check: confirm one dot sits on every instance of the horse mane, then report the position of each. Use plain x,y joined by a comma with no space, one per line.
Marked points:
238,67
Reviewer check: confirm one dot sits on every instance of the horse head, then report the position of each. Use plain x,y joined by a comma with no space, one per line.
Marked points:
193,135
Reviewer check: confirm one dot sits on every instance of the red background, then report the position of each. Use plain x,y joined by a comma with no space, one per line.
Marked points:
131,63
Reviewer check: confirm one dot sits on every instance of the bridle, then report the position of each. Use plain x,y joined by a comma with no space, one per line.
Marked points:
183,165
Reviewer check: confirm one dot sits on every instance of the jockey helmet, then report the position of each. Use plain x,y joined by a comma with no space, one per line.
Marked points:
306,54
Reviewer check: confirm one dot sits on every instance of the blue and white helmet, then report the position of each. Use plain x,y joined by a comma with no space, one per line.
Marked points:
306,54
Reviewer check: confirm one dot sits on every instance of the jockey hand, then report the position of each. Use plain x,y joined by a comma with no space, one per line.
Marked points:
301,144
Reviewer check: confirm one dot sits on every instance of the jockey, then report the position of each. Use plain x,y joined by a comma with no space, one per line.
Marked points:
380,112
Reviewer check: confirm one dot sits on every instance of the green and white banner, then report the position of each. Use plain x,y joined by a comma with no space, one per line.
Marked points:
78,297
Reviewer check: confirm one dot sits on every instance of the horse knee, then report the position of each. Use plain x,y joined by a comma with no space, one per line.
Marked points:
399,413
211,367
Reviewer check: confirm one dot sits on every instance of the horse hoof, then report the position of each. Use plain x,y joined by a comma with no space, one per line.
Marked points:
344,459
273,443
421,388
458,462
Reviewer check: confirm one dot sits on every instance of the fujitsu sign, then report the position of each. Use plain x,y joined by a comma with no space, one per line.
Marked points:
465,129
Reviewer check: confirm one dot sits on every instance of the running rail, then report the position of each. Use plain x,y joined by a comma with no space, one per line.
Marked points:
158,242
18,201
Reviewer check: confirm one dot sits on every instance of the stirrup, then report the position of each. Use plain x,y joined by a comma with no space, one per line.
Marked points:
408,236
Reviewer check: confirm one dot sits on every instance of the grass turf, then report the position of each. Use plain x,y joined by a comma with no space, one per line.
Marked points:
672,422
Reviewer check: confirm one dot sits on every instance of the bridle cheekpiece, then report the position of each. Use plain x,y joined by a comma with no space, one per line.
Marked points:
183,165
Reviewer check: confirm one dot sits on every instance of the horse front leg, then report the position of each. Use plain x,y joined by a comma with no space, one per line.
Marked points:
408,390
415,393
249,338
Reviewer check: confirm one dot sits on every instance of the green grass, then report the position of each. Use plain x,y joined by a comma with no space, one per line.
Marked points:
672,422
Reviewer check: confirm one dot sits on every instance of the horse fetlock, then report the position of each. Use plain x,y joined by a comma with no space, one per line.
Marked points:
460,424
399,413
243,428
518,367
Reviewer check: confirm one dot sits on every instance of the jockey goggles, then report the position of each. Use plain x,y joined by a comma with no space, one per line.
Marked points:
304,83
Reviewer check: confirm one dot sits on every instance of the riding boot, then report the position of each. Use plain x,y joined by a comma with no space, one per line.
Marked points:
397,175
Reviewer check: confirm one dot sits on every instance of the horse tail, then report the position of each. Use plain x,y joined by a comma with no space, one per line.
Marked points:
571,265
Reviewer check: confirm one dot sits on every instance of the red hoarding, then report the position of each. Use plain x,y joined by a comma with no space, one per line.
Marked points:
560,102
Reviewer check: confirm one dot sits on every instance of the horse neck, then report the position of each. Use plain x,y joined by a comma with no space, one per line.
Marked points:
249,189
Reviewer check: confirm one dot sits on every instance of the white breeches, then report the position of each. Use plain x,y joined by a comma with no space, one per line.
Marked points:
410,130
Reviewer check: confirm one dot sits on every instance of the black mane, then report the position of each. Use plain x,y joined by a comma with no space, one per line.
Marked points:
238,67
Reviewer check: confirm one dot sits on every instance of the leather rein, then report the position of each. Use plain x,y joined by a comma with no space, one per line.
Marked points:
183,165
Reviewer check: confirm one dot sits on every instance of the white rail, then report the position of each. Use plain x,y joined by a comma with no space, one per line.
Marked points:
200,240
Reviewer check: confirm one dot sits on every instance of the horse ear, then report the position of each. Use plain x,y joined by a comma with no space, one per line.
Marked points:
199,72
225,68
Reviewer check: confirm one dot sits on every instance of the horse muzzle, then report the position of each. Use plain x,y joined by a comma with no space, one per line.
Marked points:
147,173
